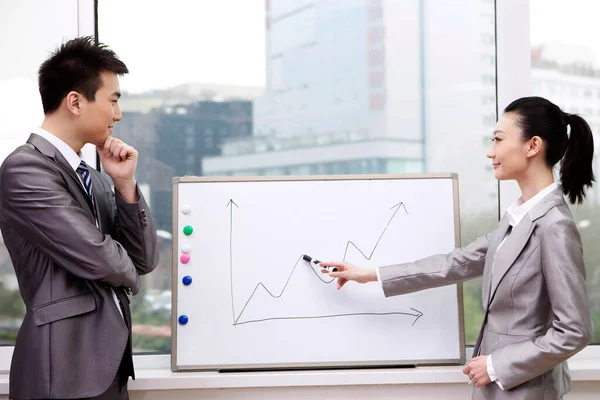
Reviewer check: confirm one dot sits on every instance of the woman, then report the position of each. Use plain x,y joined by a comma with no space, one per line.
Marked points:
534,292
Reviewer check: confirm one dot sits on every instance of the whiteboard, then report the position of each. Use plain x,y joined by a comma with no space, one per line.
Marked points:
253,303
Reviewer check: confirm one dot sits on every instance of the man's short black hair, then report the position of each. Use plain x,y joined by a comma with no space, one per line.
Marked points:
76,65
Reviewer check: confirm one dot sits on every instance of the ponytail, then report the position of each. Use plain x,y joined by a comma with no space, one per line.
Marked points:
575,150
576,172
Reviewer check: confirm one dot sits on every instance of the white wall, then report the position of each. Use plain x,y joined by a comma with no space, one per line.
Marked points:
455,391
449,391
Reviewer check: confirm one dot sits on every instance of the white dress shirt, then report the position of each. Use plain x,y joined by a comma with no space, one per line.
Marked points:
515,214
74,160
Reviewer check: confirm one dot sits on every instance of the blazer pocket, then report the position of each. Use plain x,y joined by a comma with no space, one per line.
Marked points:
64,308
510,338
493,341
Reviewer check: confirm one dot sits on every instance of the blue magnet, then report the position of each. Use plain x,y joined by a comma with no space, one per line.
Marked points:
187,280
183,319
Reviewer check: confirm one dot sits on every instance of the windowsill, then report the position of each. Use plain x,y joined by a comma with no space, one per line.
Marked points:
160,379
163,379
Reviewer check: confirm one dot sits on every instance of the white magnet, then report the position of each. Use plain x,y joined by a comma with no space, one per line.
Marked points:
186,208
186,248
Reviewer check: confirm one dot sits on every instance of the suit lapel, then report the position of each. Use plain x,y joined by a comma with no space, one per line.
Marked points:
506,256
103,211
489,260
47,149
97,196
503,259
125,309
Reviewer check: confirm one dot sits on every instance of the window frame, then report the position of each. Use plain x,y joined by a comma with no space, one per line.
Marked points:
513,80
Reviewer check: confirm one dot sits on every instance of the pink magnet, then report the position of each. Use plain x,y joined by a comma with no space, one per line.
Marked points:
185,258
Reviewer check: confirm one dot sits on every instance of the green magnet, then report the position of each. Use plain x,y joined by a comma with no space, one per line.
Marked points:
188,230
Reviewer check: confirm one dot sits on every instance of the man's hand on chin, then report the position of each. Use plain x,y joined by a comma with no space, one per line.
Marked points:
119,161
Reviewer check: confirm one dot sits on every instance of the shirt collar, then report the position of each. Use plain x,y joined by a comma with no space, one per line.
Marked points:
517,211
68,153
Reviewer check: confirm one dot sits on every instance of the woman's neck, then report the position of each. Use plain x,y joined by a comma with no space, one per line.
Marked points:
534,183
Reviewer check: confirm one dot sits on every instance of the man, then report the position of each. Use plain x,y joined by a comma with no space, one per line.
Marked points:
77,247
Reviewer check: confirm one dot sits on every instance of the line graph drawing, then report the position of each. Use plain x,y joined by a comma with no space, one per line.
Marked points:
236,319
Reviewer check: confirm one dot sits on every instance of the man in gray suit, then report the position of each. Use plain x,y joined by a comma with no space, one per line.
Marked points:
77,247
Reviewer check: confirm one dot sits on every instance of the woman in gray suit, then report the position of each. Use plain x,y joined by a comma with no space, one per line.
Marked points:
536,312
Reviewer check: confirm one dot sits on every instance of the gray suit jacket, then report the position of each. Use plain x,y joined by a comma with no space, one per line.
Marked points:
535,302
73,338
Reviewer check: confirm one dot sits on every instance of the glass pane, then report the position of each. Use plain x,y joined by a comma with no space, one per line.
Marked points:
565,70
21,110
282,87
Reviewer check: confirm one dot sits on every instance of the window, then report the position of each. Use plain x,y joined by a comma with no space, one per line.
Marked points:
276,74
487,39
488,59
21,111
292,30
488,100
565,44
489,119
488,79
305,56
189,141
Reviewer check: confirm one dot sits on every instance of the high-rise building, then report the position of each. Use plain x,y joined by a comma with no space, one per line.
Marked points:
373,86
174,129
188,133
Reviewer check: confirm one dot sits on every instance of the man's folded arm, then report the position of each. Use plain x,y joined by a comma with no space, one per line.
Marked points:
135,231
38,207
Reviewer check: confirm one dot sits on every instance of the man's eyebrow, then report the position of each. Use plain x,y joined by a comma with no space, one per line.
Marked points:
117,93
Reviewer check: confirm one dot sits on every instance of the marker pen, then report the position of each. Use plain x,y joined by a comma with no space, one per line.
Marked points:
317,262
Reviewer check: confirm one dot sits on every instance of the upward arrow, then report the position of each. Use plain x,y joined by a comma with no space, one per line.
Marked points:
396,208
230,204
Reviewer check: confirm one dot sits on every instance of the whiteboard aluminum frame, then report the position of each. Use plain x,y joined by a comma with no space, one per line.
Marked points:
315,365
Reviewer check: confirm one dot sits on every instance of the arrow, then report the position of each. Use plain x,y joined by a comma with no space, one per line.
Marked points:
418,315
230,204
396,207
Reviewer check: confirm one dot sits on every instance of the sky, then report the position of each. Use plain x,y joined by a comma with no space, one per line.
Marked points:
573,22
171,42
168,43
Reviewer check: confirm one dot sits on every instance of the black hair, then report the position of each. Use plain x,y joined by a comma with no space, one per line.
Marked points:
539,117
76,65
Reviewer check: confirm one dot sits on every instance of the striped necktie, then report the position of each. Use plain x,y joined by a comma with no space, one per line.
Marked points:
86,178
84,173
